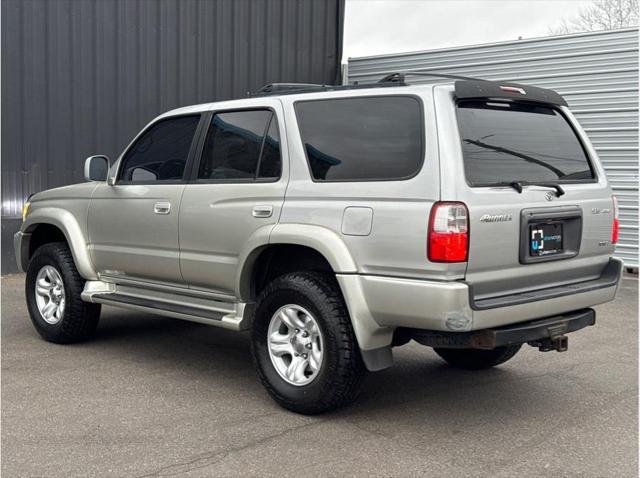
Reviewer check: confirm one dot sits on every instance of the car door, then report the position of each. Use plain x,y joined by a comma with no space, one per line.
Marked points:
238,187
133,223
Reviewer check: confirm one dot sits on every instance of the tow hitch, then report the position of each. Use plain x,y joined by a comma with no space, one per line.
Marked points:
557,340
559,344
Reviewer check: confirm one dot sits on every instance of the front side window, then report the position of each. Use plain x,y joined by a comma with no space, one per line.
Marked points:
505,142
241,145
161,153
362,139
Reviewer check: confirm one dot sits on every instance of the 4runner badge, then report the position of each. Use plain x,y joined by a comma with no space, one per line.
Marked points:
496,217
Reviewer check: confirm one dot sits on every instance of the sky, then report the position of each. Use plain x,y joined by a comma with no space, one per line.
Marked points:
375,27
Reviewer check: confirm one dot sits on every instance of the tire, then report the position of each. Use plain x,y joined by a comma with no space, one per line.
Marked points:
475,359
77,320
337,380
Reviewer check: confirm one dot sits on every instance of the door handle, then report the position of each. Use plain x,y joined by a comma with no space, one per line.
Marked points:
262,211
162,208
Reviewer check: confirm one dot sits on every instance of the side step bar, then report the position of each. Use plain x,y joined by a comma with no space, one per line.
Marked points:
229,315
151,304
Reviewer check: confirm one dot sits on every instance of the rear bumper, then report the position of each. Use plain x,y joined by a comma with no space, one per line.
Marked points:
378,305
537,331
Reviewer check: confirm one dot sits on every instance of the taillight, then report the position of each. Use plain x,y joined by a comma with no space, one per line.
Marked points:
448,232
615,229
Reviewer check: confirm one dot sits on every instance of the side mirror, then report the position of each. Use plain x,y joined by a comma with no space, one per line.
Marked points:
96,168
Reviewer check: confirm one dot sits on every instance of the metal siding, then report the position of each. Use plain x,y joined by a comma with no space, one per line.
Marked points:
82,77
597,73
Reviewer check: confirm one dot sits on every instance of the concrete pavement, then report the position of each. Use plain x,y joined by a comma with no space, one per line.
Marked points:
151,396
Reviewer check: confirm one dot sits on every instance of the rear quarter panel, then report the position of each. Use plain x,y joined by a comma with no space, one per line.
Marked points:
396,242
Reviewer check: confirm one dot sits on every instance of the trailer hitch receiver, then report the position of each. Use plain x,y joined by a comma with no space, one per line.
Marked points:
556,341
559,344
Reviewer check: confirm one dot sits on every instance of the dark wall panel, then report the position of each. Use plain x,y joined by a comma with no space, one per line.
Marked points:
82,77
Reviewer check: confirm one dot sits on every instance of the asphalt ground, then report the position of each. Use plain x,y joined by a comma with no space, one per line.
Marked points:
151,396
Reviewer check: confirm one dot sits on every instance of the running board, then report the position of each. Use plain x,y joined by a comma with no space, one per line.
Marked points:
229,315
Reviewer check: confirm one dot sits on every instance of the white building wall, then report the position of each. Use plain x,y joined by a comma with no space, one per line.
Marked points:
597,73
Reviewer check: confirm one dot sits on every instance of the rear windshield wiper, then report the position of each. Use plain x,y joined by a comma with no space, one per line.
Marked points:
556,186
519,185
517,154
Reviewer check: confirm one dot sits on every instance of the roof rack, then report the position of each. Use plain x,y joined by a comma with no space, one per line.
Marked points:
467,88
392,79
399,77
293,88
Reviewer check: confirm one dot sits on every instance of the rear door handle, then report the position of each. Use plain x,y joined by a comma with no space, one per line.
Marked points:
262,211
162,208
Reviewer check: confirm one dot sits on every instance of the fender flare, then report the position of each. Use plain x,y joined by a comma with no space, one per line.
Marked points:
318,238
323,240
68,224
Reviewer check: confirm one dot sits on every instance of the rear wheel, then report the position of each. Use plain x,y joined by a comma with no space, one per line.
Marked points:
52,288
303,345
475,359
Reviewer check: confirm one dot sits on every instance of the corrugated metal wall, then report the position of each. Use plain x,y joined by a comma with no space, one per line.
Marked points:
82,77
597,73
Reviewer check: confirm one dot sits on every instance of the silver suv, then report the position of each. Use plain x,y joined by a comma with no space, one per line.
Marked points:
336,223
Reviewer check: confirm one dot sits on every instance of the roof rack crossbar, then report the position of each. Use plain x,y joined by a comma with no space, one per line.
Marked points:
399,77
273,87
392,79
292,88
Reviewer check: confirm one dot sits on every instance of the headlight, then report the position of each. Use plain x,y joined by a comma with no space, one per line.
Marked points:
25,210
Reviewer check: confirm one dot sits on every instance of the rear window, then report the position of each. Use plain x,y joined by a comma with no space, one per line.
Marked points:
504,142
362,139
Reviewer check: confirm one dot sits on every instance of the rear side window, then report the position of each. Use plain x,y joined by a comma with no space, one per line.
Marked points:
161,153
504,142
362,139
242,145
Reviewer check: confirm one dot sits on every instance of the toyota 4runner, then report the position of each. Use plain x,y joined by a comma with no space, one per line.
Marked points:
336,223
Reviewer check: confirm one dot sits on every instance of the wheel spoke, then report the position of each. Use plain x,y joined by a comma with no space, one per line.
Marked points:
49,309
295,371
308,324
291,319
315,357
279,344
60,309
44,284
50,275
43,291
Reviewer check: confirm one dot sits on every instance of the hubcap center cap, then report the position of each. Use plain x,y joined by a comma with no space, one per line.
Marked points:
300,344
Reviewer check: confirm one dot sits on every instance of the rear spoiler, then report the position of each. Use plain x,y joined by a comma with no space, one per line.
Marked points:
483,89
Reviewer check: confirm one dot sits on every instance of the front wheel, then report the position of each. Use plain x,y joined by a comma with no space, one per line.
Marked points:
303,344
53,287
476,359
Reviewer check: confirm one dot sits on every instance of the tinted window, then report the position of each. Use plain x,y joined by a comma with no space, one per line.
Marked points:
161,153
514,141
238,143
270,162
362,138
